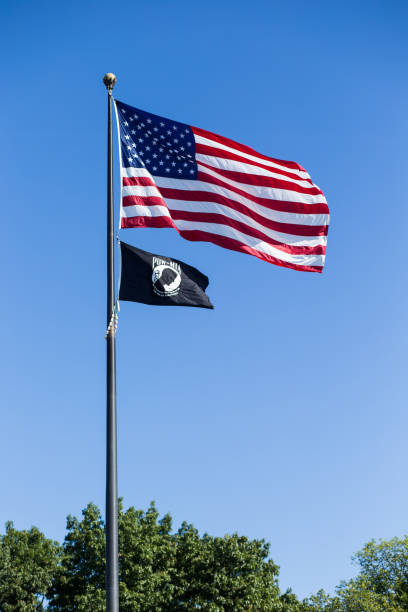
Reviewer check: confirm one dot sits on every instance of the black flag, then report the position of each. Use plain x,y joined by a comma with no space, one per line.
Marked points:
159,280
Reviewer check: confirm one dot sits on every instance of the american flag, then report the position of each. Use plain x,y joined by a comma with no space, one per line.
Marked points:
211,188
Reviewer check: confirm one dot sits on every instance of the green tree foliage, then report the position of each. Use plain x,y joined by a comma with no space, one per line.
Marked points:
79,581
28,562
162,571
381,585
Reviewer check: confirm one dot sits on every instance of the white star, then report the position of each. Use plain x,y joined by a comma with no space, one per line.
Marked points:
188,144
187,131
168,144
182,136
149,121
129,148
143,124
127,137
139,127
174,127
123,110
141,153
136,116
179,171
133,131
175,139
191,171
154,168
181,148
185,164
156,129
130,159
161,123
167,169
130,118
147,148
167,156
173,163
154,154
168,132
161,136
161,150
140,139
126,123
161,163
148,162
134,146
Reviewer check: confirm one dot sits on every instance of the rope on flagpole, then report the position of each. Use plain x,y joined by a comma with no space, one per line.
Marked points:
113,323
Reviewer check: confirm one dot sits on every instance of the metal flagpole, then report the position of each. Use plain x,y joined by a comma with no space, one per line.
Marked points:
111,520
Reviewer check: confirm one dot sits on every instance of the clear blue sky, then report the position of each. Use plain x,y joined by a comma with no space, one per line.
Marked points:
282,413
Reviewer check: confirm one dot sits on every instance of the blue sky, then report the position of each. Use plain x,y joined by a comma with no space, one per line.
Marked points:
282,413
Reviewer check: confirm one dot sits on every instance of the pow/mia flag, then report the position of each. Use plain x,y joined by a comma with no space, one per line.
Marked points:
160,281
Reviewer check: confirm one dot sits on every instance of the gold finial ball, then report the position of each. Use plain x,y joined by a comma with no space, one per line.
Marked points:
109,79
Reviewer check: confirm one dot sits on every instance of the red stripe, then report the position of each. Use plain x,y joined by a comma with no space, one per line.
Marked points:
133,200
259,180
208,196
144,181
276,184
147,222
227,243
256,180
184,215
279,205
207,150
286,185
244,149
215,217
234,245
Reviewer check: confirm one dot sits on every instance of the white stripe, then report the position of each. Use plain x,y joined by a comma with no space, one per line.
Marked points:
235,166
224,230
120,166
144,211
263,247
140,190
258,172
282,217
260,160
135,172
210,207
271,193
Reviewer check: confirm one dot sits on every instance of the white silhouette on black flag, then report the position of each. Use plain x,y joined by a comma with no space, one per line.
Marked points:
160,281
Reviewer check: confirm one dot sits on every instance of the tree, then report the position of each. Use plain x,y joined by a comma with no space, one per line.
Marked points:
381,585
28,561
229,573
162,571
79,582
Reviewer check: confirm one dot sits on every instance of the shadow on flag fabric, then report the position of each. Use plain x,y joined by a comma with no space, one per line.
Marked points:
210,188
159,280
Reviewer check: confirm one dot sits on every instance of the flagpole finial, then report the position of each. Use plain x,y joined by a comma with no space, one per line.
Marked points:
109,79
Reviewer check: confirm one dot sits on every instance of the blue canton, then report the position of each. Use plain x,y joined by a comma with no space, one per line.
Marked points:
162,146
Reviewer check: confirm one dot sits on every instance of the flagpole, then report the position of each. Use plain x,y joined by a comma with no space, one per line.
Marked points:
111,519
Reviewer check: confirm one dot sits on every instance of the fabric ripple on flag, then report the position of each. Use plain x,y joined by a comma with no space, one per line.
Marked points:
210,188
